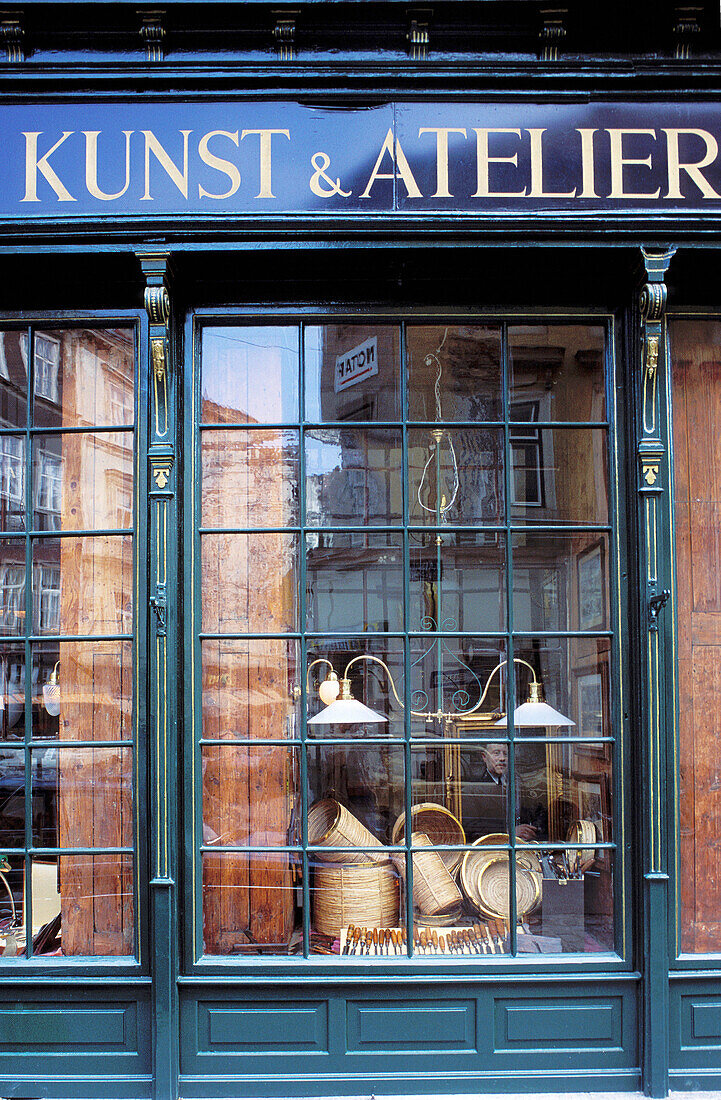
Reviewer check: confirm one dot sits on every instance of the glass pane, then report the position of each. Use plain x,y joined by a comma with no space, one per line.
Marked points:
12,797
454,372
12,691
83,585
87,793
455,476
250,375
354,582
559,475
13,378
696,379
457,580
12,483
450,675
370,684
358,896
249,903
84,376
250,689
576,912
83,481
459,792
353,477
251,796
352,372
12,586
82,691
97,903
250,478
249,583
557,372
364,784
561,582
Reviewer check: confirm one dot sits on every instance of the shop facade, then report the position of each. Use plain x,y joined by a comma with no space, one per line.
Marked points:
360,386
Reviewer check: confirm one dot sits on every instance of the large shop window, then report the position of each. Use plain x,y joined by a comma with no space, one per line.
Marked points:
696,361
405,538
67,414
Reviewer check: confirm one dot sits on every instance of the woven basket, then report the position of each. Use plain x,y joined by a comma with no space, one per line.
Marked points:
493,889
363,894
331,825
474,861
434,890
581,832
437,823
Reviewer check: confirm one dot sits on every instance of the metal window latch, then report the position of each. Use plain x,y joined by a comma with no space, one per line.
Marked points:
159,606
656,605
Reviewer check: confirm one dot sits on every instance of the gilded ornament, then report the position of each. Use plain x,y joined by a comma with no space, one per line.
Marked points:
652,355
157,348
161,475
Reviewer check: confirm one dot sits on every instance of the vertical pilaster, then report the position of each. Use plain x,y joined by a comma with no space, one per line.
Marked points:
162,659
654,576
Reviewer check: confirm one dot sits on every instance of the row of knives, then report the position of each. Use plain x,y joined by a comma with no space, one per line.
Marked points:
482,938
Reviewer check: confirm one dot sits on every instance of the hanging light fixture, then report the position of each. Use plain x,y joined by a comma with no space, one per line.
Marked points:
346,710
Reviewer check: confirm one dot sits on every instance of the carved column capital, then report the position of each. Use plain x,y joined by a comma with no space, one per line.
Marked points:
418,36
13,36
552,32
284,34
152,32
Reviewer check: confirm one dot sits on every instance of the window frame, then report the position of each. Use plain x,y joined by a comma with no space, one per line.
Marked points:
194,962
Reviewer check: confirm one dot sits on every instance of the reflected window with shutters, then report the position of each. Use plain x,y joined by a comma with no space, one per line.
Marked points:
67,746
405,613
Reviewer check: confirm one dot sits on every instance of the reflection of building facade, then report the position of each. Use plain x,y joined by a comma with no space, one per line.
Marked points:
359,513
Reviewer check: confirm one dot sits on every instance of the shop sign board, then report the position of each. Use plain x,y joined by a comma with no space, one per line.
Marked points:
142,158
356,365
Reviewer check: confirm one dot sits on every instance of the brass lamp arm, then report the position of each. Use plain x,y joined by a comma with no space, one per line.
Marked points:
440,715
345,682
318,661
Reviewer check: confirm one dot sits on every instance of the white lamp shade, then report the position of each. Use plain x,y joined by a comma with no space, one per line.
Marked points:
536,714
346,712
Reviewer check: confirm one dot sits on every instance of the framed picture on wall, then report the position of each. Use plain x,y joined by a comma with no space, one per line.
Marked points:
591,588
590,705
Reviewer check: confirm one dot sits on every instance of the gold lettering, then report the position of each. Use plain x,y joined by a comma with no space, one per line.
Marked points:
33,166
266,137
692,169
619,162
537,191
483,160
179,178
588,176
442,133
91,165
219,164
400,165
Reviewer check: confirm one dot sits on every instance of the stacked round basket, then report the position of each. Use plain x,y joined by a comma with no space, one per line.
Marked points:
356,882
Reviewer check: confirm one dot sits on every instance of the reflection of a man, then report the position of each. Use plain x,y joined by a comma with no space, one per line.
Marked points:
494,800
